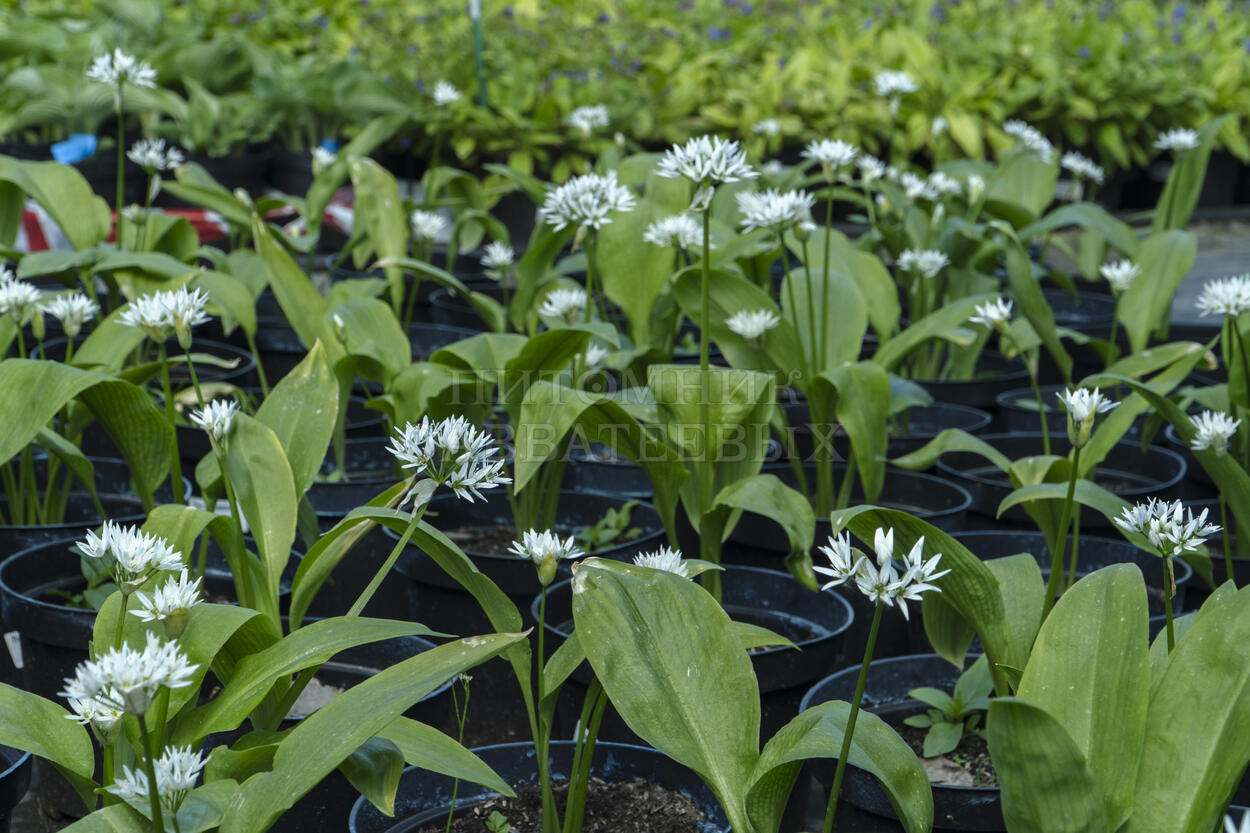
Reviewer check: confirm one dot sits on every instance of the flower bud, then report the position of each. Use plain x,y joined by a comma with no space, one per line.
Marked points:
547,569
176,622
36,325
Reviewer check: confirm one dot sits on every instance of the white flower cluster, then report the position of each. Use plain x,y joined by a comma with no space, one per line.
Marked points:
498,256
766,127
893,82
588,119
751,324
595,354
172,600
1082,404
832,154
322,158
153,156
1119,275
117,67
1213,430
546,550
870,168
216,418
445,93
427,225
881,581
18,299
127,680
160,312
135,554
1180,138
775,210
585,201
706,160
1226,296
943,185
1171,529
567,302
1082,166
1031,138
449,453
681,231
72,310
926,262
993,313
176,773
668,560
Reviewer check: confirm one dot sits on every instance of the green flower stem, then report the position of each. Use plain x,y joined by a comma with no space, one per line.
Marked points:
242,589
1061,537
542,742
849,732
149,766
195,381
1037,391
121,621
1169,589
367,594
811,313
709,549
823,345
462,714
1228,551
121,158
175,463
260,368
575,808
21,341
107,778
590,276
1074,556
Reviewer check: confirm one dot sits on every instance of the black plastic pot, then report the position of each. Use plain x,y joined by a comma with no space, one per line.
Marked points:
1219,568
1088,311
100,171
246,170
1017,412
15,769
290,171
328,805
368,468
424,798
427,338
908,430
439,602
242,371
889,680
1094,553
80,516
600,470
1194,471
451,309
1126,471
994,375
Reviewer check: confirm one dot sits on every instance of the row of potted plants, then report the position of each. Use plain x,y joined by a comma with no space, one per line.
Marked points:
689,348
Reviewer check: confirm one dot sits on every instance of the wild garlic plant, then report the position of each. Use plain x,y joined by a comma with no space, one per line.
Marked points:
160,316
118,69
996,315
154,158
1214,431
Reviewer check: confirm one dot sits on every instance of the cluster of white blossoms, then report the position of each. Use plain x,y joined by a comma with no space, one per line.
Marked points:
1213,430
666,559
449,453
893,82
1171,529
916,187
117,67
177,770
153,156
216,418
976,187
322,158
126,679
706,161
18,299
995,314
680,231
870,168
445,93
1180,138
427,225
1082,166
546,550
72,310
589,118
170,603
1083,406
880,580
832,154
585,201
944,185
1031,138
751,324
498,256
1225,296
135,555
767,127
1119,275
926,262
775,210
566,302
595,354
160,312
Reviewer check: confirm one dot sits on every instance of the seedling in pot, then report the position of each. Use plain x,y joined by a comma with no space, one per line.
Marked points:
953,715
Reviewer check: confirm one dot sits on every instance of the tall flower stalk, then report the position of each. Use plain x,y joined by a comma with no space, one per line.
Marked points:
1212,431
881,583
706,161
117,69
996,315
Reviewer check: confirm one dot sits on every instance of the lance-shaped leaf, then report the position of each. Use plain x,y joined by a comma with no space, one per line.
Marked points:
380,212
32,724
65,194
1164,258
301,411
1184,185
766,495
933,325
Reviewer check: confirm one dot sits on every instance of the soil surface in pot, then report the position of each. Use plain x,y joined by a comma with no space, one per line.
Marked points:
967,765
489,540
611,807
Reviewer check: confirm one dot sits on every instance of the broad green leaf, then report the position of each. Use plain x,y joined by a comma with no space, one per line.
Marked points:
301,411
863,406
32,724
1046,783
371,334
1021,188
229,295
330,734
1197,741
1164,258
65,194
374,770
303,306
951,439
1086,493
1027,292
265,489
370,137
428,748
1090,216
766,495
807,304
818,733
1184,184
931,326
666,654
1090,671
876,285
380,212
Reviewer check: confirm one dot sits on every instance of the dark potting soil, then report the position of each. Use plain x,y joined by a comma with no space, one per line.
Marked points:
611,807
967,765
489,540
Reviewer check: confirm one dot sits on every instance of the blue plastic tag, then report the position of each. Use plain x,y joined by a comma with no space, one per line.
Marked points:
74,149
331,145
